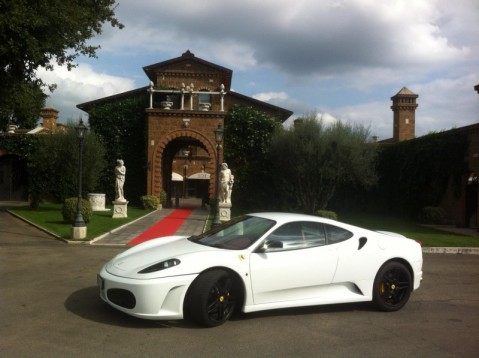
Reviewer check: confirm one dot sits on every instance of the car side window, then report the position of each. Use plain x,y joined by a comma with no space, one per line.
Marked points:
335,234
296,235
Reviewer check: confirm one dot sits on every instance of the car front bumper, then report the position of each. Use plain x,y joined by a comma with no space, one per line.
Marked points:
157,299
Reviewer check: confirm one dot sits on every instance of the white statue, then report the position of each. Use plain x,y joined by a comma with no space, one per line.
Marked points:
120,171
226,184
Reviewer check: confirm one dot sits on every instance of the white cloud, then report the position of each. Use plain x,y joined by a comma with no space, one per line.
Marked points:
316,35
446,103
268,96
81,84
282,99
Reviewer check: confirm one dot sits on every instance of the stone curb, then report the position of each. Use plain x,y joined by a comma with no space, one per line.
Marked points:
451,250
85,242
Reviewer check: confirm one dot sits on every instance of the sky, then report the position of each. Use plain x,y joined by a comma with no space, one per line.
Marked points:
338,59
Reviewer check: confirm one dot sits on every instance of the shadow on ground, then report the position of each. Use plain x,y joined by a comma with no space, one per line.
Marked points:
87,304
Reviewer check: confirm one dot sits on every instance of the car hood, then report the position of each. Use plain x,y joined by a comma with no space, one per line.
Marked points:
130,262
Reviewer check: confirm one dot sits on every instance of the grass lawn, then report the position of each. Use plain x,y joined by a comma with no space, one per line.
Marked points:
49,217
429,236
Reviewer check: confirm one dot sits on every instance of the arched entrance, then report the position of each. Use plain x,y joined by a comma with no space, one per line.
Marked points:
13,178
183,154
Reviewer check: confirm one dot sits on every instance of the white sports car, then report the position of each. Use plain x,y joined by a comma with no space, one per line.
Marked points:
261,262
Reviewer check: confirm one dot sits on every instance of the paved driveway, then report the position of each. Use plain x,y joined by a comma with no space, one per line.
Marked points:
50,308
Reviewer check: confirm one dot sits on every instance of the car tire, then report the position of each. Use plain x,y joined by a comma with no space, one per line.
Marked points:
211,299
392,287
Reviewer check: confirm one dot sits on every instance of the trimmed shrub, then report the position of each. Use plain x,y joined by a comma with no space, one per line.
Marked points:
163,198
69,210
327,214
150,202
432,215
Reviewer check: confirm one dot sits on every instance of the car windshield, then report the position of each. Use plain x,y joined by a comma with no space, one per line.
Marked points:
236,234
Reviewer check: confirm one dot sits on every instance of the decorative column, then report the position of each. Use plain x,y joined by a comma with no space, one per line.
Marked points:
182,106
192,89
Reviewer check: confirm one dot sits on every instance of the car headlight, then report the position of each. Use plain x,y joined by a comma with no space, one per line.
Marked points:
161,266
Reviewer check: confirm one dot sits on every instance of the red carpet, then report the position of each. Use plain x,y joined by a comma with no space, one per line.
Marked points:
165,227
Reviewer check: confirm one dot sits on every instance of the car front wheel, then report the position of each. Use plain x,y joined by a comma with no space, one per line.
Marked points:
392,287
211,300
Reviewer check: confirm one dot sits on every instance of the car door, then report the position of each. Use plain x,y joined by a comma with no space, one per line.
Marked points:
294,264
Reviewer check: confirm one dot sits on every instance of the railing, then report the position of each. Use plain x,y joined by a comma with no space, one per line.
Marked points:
186,90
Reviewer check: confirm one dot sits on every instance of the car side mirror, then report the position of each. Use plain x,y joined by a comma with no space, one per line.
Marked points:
270,244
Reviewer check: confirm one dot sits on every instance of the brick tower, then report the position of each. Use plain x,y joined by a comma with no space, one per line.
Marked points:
49,117
404,108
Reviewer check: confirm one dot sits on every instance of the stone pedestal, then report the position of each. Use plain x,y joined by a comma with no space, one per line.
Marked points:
225,211
120,209
97,201
78,232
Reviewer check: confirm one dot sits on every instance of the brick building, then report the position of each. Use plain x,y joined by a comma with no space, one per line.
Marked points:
188,99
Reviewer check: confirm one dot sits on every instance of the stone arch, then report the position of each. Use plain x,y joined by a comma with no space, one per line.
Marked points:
159,161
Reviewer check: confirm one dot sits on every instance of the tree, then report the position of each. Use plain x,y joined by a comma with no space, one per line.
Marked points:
36,34
248,134
312,160
121,125
53,166
23,108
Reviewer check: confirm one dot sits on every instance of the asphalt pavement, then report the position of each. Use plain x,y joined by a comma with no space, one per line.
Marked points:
51,308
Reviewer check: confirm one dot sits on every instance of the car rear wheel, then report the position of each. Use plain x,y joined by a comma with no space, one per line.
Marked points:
211,299
392,287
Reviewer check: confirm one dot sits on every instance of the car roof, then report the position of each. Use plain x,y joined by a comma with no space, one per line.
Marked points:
282,217
285,217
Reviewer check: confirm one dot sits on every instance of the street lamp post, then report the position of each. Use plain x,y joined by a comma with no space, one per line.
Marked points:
79,227
219,140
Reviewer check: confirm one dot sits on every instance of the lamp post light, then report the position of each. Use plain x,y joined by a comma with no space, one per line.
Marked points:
219,140
79,227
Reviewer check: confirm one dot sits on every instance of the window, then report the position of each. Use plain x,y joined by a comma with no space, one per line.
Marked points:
297,235
204,101
236,234
336,234
204,97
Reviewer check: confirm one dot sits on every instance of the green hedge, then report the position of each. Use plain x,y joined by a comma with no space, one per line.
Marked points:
432,215
69,210
417,173
150,202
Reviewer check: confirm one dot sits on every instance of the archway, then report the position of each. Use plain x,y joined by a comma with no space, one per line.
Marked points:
183,153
